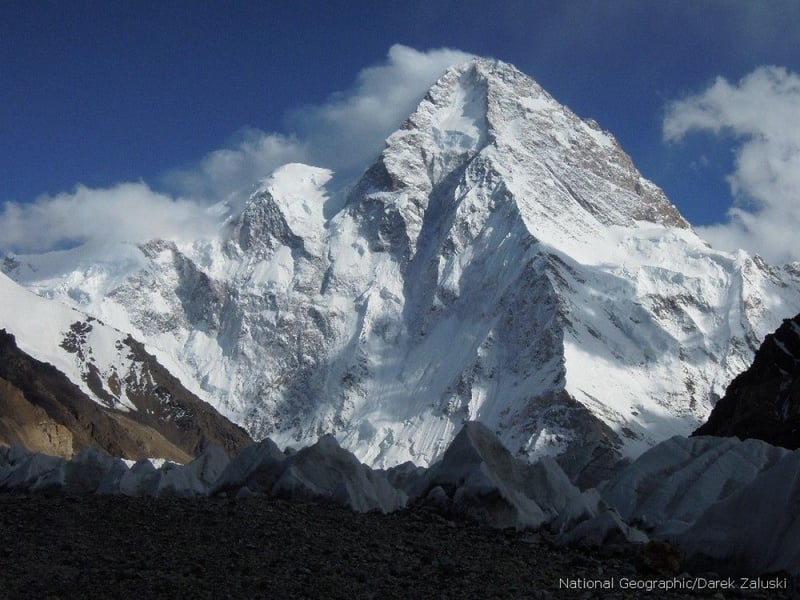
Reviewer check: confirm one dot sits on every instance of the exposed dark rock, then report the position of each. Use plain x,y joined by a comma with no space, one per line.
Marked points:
22,422
764,401
659,559
590,463
262,226
183,418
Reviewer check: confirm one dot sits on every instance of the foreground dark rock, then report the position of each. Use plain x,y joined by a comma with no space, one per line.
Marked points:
114,546
764,401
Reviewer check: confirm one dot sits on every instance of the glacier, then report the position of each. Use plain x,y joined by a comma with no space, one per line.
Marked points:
501,261
690,493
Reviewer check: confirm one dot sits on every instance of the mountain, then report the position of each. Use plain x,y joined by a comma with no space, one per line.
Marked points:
764,401
501,261
99,388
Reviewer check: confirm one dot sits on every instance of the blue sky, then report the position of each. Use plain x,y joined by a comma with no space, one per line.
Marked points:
167,96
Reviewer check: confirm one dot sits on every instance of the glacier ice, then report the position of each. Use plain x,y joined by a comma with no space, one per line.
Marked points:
479,478
694,493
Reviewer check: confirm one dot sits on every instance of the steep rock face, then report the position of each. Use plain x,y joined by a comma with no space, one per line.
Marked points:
764,401
43,410
501,261
24,423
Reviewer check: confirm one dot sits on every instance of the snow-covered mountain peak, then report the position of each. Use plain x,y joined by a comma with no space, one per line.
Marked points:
299,191
502,261
451,120
286,210
485,123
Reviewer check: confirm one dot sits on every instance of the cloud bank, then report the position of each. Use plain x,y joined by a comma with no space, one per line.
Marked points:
129,212
342,133
762,113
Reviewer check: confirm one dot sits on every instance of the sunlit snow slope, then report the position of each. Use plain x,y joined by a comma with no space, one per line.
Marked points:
77,345
502,261
70,381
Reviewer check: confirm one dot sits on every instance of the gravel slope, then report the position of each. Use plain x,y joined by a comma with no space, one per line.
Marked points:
120,547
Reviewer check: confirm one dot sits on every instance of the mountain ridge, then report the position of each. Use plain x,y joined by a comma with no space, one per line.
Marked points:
501,261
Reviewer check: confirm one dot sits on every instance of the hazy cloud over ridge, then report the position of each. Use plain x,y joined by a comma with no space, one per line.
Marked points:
350,127
342,133
128,212
762,112
228,171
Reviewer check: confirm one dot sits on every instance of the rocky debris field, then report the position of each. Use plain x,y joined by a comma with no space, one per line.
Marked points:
729,506
95,546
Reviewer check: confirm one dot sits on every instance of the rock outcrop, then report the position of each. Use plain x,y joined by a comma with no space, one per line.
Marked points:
764,401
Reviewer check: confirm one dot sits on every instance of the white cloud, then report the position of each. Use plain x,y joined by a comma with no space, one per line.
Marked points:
762,112
350,127
231,171
130,212
342,133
